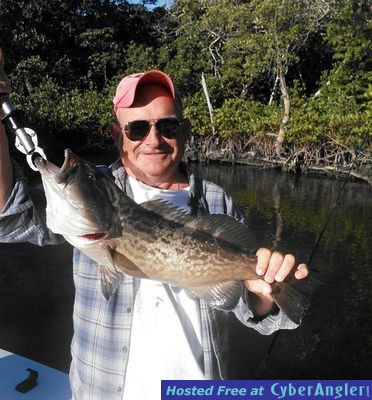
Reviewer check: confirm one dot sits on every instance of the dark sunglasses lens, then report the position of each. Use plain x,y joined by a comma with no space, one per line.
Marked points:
168,127
137,130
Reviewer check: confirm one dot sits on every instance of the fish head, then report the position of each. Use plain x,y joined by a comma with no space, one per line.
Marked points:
79,204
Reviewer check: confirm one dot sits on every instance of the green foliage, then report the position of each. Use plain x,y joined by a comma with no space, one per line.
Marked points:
195,108
28,73
102,54
65,58
139,58
235,117
42,103
331,115
239,117
341,109
88,110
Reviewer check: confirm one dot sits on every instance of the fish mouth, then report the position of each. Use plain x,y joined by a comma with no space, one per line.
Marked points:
45,167
60,174
68,167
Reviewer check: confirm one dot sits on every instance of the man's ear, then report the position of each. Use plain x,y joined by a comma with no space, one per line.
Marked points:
115,131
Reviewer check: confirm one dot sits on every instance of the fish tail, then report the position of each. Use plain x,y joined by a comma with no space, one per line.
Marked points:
293,296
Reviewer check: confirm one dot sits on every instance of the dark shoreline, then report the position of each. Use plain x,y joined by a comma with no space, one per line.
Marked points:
345,164
230,151
236,151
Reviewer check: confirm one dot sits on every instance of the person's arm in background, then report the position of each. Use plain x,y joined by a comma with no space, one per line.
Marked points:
6,168
22,209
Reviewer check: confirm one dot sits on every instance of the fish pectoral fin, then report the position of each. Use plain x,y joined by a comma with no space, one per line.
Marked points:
224,296
124,264
110,280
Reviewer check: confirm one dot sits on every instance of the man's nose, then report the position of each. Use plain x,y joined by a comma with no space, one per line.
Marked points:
153,137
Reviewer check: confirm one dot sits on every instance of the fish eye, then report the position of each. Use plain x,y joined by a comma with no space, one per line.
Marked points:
92,177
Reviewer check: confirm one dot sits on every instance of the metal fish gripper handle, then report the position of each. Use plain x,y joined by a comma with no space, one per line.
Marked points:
26,139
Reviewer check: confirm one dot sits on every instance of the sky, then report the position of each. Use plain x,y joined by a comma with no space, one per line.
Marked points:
159,3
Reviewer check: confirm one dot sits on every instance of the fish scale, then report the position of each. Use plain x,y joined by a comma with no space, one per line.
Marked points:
208,256
189,260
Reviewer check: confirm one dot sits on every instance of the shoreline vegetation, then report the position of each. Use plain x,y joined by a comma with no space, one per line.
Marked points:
276,84
329,159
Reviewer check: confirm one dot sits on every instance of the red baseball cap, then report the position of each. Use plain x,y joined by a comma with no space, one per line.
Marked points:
126,90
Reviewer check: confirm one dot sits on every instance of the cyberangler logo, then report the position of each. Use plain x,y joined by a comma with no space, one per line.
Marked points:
321,390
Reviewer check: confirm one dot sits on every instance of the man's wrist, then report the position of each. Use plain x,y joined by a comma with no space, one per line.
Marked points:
261,305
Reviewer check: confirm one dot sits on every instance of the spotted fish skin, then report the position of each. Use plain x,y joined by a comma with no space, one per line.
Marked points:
208,256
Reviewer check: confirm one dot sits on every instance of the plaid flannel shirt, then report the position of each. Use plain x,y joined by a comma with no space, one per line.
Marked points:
100,345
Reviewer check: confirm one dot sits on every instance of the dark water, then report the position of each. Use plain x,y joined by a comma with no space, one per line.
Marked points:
335,339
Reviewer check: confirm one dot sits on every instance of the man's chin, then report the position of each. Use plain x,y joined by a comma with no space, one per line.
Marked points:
155,168
153,157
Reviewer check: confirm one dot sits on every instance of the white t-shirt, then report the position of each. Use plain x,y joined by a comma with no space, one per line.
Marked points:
159,348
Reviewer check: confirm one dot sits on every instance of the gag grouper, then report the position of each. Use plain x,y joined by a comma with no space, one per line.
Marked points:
208,256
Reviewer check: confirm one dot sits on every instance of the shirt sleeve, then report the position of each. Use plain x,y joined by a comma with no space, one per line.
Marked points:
264,325
23,217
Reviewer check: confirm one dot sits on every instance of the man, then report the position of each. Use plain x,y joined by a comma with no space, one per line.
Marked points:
122,347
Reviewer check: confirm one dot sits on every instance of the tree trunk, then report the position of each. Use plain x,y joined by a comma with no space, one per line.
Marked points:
273,91
209,104
287,107
104,74
28,86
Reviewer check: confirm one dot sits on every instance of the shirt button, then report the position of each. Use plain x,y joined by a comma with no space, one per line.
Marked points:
128,309
124,349
119,389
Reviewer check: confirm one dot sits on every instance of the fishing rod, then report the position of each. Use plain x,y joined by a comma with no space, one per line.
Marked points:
262,366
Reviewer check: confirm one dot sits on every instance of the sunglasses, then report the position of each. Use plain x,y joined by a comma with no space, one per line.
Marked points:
139,129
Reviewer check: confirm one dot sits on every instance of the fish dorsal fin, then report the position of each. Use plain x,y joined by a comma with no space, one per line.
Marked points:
168,211
227,229
220,226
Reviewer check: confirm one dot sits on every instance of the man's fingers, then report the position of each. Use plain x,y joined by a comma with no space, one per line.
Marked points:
275,263
302,271
274,266
263,258
285,268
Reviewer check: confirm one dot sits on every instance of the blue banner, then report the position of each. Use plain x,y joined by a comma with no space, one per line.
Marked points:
267,390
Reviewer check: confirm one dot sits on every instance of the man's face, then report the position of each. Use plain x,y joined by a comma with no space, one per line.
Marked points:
155,159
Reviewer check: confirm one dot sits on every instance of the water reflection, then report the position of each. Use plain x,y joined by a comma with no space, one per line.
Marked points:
288,213
285,212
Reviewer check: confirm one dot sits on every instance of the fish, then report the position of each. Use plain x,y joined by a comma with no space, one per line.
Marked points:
209,256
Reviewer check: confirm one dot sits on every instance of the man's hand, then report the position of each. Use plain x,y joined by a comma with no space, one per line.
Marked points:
4,80
271,266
